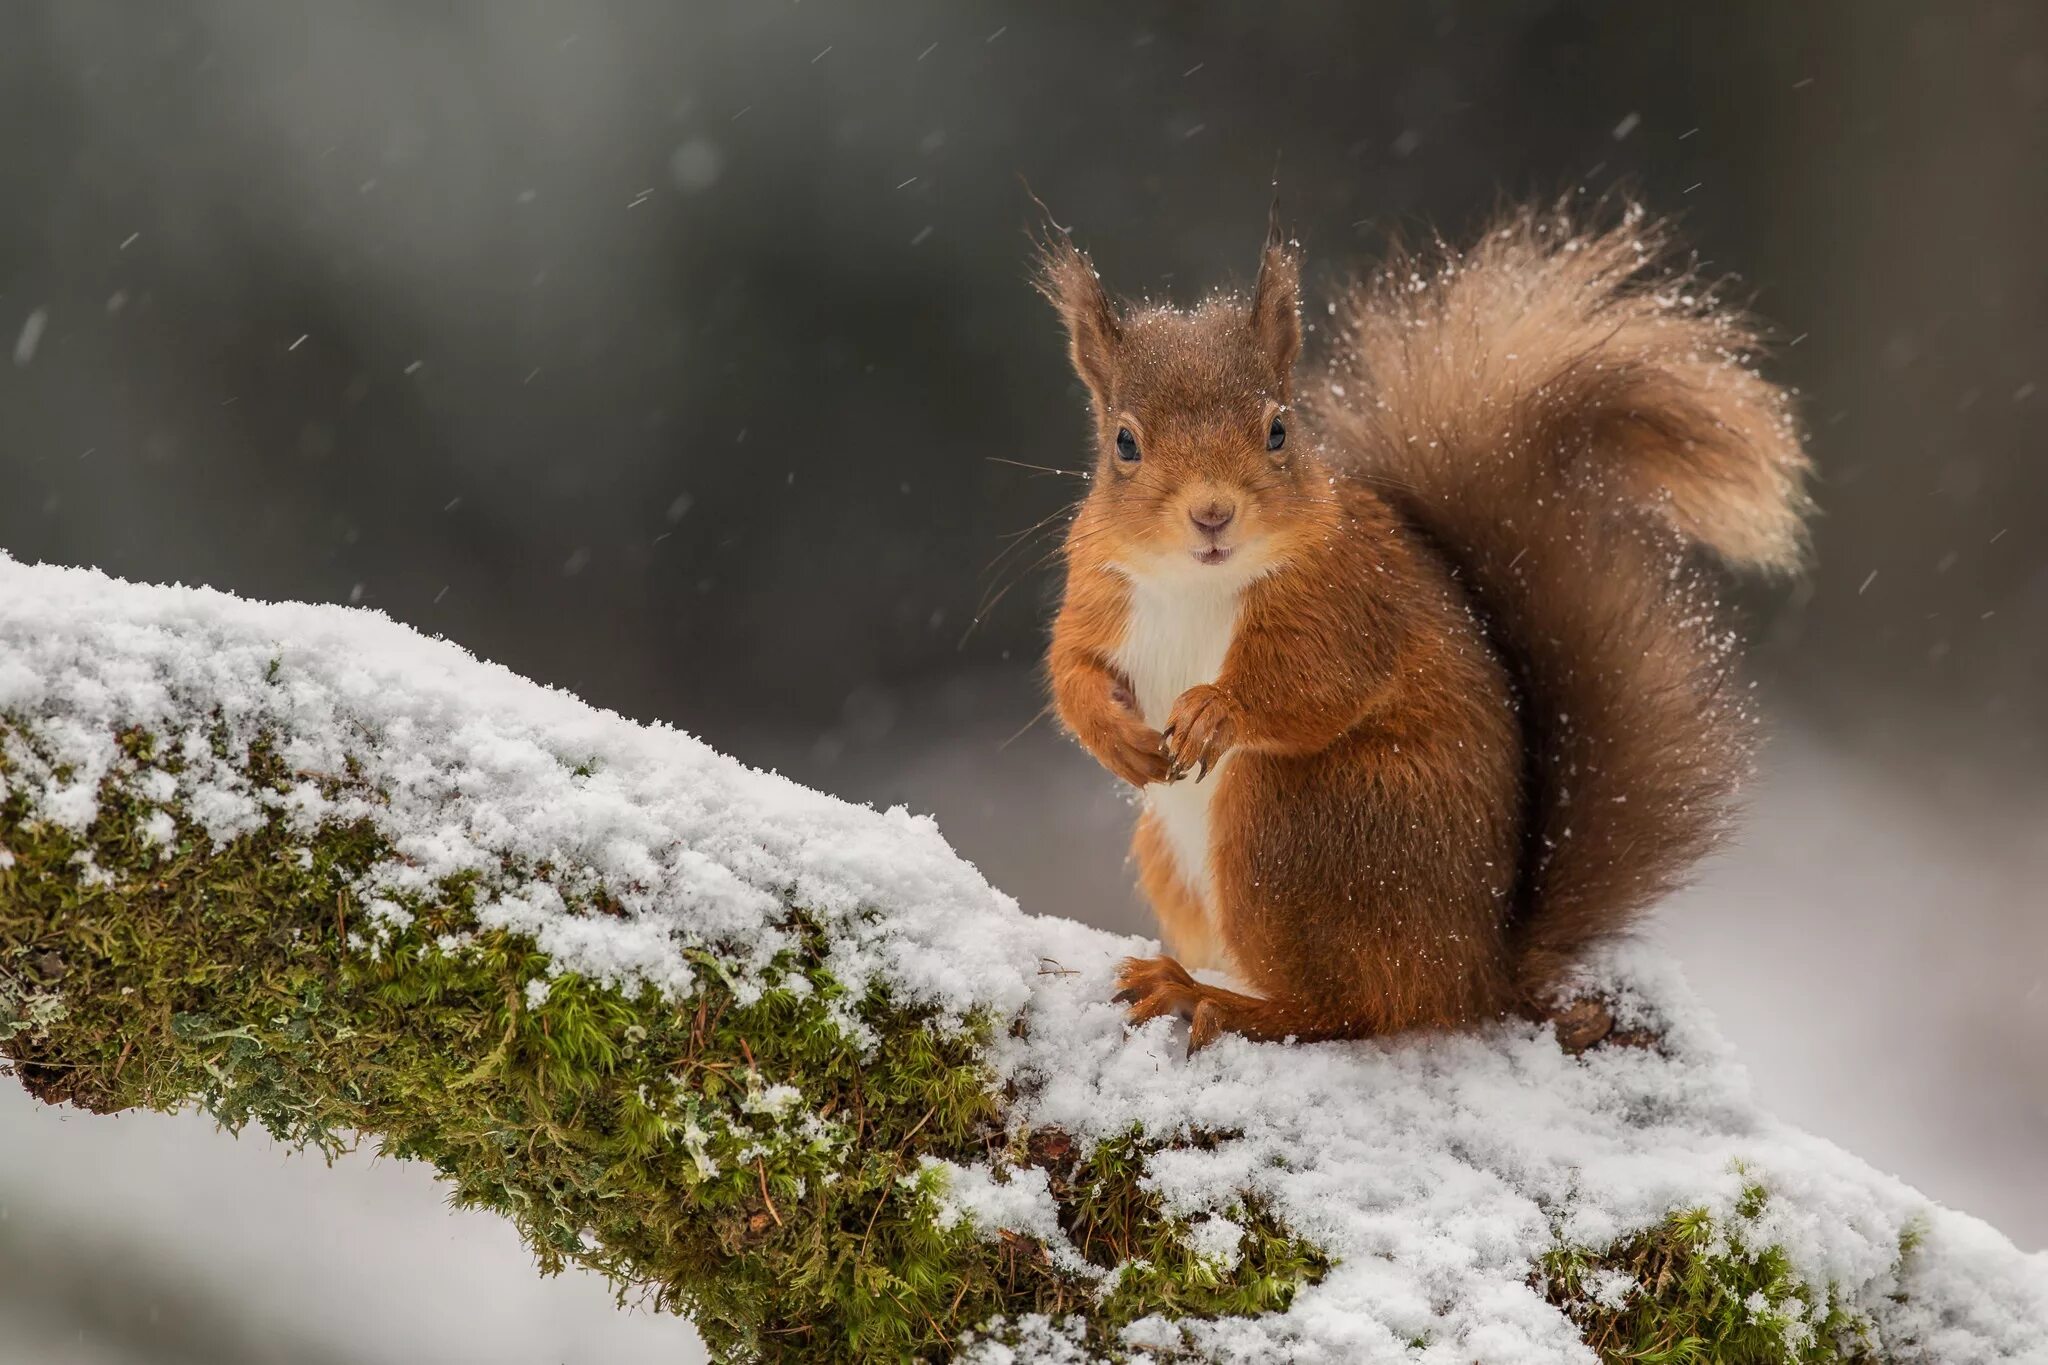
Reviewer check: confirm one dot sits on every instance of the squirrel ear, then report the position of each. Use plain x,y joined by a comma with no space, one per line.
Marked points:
1068,281
1276,307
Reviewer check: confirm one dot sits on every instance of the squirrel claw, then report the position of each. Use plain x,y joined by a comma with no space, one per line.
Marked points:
1155,986
1202,729
1149,987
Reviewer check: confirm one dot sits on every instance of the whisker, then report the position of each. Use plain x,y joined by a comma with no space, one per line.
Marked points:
1051,553
983,613
1012,540
1020,544
1018,572
1038,468
1043,712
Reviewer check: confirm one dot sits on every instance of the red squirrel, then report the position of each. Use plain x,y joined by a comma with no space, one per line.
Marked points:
1413,654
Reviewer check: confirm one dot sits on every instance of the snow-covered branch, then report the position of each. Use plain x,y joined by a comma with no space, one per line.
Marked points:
792,1067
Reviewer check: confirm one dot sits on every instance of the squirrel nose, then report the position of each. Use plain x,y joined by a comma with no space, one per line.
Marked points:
1213,515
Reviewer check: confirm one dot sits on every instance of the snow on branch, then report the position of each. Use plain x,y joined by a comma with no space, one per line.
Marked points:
791,1066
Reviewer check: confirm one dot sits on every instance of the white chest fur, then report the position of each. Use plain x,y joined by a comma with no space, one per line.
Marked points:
1178,631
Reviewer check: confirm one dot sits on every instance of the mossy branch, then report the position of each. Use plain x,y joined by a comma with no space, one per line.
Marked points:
740,1161
204,903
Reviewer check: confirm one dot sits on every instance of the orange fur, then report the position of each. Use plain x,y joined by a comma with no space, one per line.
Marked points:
1428,700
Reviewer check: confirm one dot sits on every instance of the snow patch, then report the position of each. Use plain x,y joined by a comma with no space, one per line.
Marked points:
1021,1202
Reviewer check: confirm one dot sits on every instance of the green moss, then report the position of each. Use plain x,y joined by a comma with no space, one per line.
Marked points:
735,1157
1700,1294
1119,1225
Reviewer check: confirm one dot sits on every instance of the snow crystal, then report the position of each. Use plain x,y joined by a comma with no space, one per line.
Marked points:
90,873
773,1100
30,336
1434,1171
1021,1203
159,829
1039,1341
1610,1288
1217,1240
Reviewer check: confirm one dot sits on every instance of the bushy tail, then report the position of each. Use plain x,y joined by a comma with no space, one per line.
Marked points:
1566,418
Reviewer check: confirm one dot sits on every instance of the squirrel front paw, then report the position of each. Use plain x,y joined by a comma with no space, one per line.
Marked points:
1202,728
1131,749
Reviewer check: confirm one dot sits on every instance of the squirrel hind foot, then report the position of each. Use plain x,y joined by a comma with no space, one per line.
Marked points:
1150,987
1153,987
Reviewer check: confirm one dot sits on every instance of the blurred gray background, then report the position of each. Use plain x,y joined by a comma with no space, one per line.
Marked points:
670,353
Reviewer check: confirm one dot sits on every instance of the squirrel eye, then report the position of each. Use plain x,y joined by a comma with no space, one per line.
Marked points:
1276,435
1126,445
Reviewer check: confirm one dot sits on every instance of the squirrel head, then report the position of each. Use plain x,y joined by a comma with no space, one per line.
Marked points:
1197,462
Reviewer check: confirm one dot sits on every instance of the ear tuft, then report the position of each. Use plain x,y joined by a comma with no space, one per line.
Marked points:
1276,307
1069,282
